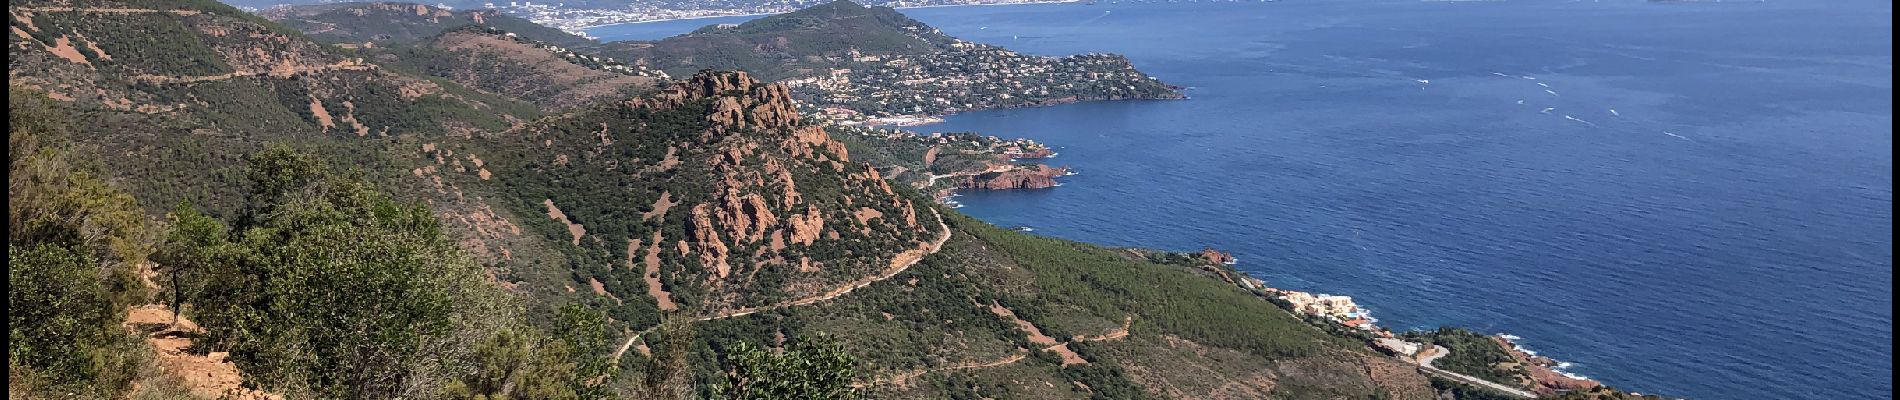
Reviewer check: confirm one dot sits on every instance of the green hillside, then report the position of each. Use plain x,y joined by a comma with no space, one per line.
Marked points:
875,62
789,45
179,91
385,23
338,228
498,62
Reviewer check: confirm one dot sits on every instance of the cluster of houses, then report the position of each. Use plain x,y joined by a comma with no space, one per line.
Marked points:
574,19
908,85
1339,309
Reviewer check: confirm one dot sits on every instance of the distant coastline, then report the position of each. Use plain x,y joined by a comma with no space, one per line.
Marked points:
586,27
744,14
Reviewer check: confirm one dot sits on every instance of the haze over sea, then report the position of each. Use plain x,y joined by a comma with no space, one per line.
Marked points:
1705,210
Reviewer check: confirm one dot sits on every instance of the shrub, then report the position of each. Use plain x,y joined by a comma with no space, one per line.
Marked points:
330,287
811,369
72,240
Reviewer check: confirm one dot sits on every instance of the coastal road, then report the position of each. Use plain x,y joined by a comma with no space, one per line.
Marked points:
902,261
993,168
1436,352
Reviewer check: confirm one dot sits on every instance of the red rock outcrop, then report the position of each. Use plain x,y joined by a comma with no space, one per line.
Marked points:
1542,372
712,251
736,184
746,217
806,227
702,85
783,177
759,106
755,195
1216,256
1041,176
910,213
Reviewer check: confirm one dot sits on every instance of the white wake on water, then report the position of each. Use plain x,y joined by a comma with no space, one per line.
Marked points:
1580,120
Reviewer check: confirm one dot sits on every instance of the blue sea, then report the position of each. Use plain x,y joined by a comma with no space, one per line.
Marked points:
1686,198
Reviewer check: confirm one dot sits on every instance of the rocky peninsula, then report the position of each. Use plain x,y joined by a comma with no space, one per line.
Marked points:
1496,359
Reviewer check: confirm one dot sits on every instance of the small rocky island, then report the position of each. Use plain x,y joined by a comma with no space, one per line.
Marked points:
942,162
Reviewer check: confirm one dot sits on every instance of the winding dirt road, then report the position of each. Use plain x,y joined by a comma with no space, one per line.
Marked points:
1018,355
279,71
993,168
899,263
905,377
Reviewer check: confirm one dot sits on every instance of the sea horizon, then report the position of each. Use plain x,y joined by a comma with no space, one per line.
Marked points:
750,16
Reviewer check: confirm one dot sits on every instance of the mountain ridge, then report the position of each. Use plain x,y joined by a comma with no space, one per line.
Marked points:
179,83
394,22
501,62
849,59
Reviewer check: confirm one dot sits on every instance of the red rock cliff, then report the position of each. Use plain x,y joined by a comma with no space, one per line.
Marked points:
1548,380
1041,176
1216,256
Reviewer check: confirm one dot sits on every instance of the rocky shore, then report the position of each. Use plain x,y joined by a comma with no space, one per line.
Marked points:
1036,177
1545,377
1339,315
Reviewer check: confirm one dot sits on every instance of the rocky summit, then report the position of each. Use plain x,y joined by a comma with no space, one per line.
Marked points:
731,188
